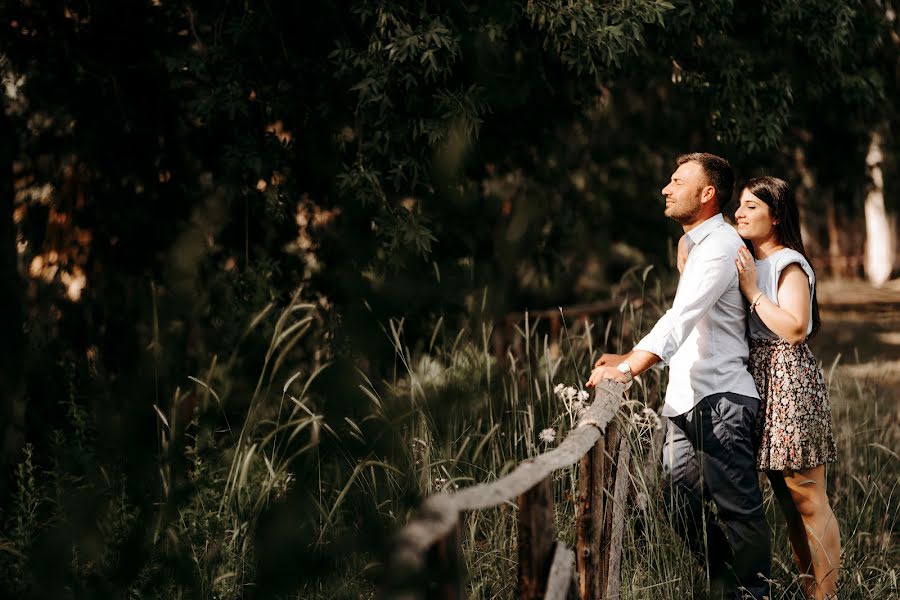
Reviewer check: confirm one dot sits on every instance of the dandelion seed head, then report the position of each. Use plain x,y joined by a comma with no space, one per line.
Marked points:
645,419
547,435
642,500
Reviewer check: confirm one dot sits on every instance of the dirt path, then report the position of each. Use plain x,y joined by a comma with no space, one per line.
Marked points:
862,324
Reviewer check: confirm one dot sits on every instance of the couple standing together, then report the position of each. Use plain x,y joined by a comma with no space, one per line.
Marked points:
736,408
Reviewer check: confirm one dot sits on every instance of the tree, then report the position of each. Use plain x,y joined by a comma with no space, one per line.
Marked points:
178,165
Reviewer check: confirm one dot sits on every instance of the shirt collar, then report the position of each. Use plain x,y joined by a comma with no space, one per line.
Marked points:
699,233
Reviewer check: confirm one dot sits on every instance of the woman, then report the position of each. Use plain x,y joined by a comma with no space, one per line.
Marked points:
794,424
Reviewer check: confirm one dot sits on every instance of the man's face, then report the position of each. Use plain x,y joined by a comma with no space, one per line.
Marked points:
684,191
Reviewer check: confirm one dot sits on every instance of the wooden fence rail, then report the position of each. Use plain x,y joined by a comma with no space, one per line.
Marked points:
426,558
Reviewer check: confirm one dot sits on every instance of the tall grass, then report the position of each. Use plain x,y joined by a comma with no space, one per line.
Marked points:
483,437
450,414
199,540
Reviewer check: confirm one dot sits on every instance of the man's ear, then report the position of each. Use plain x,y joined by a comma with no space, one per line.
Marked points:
708,194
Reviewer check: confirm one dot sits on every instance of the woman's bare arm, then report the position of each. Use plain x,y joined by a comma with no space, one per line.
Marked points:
789,319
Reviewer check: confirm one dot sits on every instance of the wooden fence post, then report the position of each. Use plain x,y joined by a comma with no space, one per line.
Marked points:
560,582
426,558
588,522
595,475
555,322
537,539
445,566
617,520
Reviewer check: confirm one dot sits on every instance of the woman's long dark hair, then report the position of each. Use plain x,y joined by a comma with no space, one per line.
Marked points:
779,196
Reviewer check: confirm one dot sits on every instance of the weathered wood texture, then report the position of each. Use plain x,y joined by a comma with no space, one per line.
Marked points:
620,497
609,480
407,570
445,567
576,311
588,520
537,539
593,513
559,582
505,337
440,513
581,439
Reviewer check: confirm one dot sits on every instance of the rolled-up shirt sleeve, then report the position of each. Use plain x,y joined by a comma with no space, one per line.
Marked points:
706,277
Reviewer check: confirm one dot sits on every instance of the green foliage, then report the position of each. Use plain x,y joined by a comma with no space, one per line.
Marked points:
591,38
22,523
303,480
197,534
195,163
413,120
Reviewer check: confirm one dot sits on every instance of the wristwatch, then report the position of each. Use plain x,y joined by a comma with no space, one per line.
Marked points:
625,369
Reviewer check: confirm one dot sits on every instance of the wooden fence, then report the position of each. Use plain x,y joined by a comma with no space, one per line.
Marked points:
426,558
505,336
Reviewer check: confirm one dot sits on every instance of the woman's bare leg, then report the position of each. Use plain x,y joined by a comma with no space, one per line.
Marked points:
796,531
807,489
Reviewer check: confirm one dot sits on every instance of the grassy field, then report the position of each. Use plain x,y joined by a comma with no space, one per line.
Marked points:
482,440
452,414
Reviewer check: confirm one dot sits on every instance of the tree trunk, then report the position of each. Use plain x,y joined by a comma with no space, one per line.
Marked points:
803,193
879,245
835,257
12,339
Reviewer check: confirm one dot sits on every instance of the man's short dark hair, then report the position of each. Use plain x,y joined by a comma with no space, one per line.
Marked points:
718,172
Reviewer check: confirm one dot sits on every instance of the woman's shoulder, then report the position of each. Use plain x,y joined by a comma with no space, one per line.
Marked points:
786,257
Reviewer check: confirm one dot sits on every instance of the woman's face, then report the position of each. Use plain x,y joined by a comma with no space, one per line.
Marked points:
754,218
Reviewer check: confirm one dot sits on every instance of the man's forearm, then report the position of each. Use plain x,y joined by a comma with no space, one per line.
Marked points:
608,366
640,361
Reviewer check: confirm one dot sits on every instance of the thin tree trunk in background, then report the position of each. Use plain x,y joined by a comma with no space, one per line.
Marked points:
835,258
879,245
803,193
12,340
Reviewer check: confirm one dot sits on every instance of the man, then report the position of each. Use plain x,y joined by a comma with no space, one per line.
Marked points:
711,400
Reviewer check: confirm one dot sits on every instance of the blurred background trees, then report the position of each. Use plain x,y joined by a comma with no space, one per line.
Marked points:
171,168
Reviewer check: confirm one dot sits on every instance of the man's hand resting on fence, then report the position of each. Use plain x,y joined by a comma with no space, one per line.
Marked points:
611,360
605,367
600,373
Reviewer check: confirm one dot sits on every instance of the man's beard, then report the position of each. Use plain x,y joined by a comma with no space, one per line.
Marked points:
685,214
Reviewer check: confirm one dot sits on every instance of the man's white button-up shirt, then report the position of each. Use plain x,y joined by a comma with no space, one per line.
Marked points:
703,337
